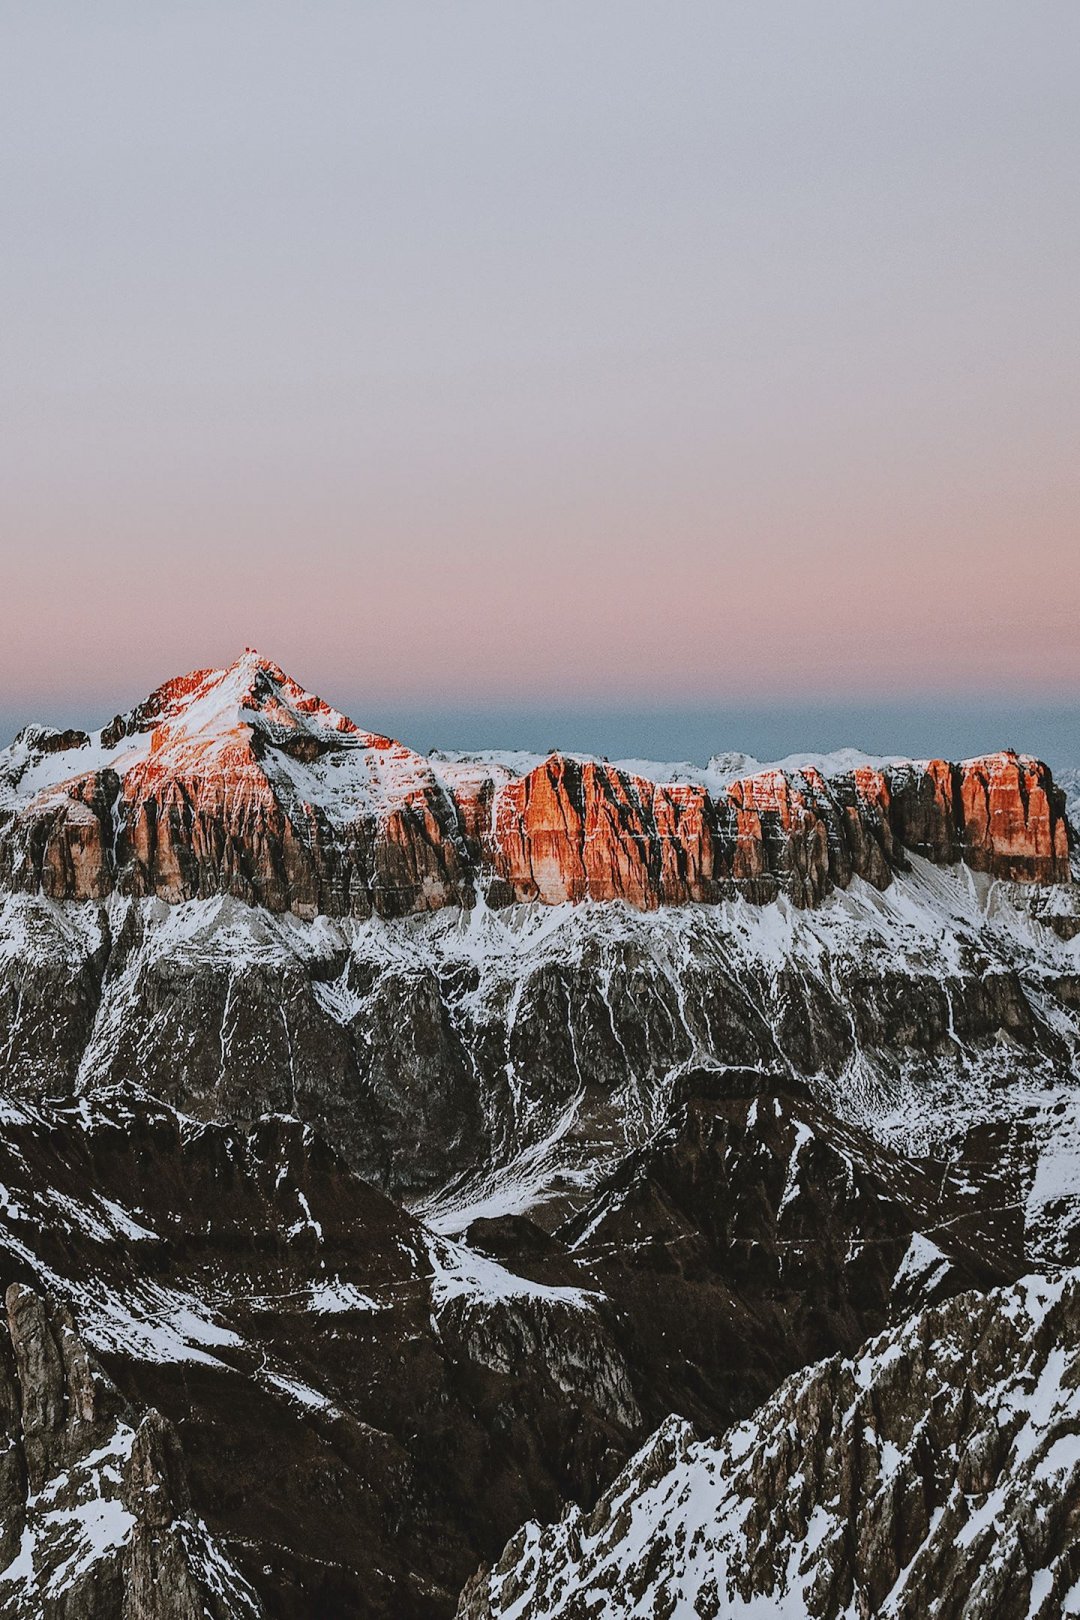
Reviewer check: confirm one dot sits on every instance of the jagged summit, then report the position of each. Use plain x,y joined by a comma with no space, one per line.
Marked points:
934,1473
240,781
208,713
210,706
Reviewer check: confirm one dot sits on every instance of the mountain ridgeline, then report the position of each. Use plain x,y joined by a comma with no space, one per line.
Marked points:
239,782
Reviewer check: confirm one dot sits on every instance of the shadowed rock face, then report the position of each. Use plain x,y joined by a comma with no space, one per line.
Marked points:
239,782
773,1234
937,1472
520,1051
96,1521
365,1410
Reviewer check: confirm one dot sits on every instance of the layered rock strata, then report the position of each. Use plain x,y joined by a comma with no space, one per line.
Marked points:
240,782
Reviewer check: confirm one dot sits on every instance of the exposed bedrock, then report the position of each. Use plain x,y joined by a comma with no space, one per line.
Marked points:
757,1232
365,1410
96,1520
238,782
442,1054
936,1472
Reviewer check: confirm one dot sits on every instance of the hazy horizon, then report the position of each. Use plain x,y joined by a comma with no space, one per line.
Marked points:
918,728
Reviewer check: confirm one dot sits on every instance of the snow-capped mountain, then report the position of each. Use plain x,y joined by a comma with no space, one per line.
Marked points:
237,781
415,1134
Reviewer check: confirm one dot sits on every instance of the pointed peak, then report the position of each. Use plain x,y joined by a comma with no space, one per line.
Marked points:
251,660
250,694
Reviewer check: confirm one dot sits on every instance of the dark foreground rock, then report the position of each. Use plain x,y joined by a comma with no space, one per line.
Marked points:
759,1232
935,1473
365,1409
96,1521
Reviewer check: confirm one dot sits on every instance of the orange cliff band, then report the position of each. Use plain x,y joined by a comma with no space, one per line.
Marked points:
240,782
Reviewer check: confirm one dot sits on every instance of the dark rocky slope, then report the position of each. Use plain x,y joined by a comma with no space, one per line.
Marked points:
514,1056
758,1233
96,1521
935,1473
365,1409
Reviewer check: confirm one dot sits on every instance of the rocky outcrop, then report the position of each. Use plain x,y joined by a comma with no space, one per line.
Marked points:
937,1472
1002,815
758,1233
239,782
96,1521
365,1410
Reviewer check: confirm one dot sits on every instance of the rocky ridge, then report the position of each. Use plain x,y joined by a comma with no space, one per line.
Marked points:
238,781
96,1521
366,1408
936,1472
773,1234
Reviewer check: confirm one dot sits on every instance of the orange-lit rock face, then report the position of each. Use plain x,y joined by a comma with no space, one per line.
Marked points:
1011,824
1001,815
573,830
570,831
239,782
780,831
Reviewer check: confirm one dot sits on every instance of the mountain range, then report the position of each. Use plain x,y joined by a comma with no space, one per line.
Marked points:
547,1186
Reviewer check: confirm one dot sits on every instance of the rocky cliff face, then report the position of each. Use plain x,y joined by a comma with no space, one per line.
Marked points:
775,1234
937,1472
366,1409
232,781
513,1055
239,782
96,1521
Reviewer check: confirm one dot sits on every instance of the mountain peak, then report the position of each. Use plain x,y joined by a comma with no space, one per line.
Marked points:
213,706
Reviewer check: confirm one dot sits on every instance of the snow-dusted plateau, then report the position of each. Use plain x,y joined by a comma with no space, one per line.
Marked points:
525,1187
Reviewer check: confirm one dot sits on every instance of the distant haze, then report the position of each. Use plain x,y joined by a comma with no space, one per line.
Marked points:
533,372
918,728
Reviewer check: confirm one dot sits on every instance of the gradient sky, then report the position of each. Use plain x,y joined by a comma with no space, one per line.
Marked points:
543,358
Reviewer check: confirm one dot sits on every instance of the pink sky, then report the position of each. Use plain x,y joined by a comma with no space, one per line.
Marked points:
713,355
